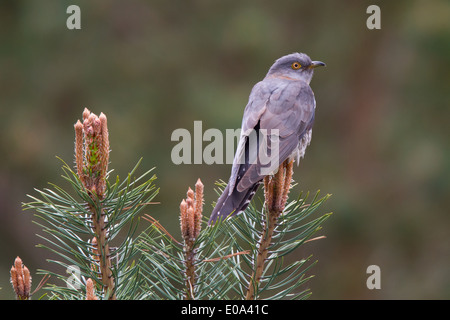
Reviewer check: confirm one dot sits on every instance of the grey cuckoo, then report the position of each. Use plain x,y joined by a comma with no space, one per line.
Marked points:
282,105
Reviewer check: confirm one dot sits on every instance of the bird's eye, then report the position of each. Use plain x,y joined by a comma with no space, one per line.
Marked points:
296,66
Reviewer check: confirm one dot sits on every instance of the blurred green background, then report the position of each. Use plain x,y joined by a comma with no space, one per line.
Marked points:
381,137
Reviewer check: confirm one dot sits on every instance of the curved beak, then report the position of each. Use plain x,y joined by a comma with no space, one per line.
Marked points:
316,64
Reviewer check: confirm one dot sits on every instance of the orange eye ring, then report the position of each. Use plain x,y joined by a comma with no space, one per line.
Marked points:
296,66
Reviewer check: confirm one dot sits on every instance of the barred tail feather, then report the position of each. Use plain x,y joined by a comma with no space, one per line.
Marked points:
231,204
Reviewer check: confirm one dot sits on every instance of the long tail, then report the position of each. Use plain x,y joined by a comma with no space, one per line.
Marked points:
231,204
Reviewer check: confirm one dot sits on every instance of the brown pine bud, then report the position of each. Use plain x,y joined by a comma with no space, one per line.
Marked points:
90,293
79,149
92,152
198,206
191,213
184,220
86,113
21,280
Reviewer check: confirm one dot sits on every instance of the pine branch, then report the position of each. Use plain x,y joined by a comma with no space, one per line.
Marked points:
81,228
276,189
272,279
190,222
198,267
92,157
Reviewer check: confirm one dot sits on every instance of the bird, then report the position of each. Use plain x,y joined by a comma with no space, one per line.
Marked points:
281,105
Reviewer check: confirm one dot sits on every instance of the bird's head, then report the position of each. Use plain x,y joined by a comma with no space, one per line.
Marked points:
297,66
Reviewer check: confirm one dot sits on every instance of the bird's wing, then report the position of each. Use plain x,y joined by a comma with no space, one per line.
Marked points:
256,106
286,106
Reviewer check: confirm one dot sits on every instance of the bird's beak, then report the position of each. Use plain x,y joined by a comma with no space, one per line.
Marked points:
316,64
